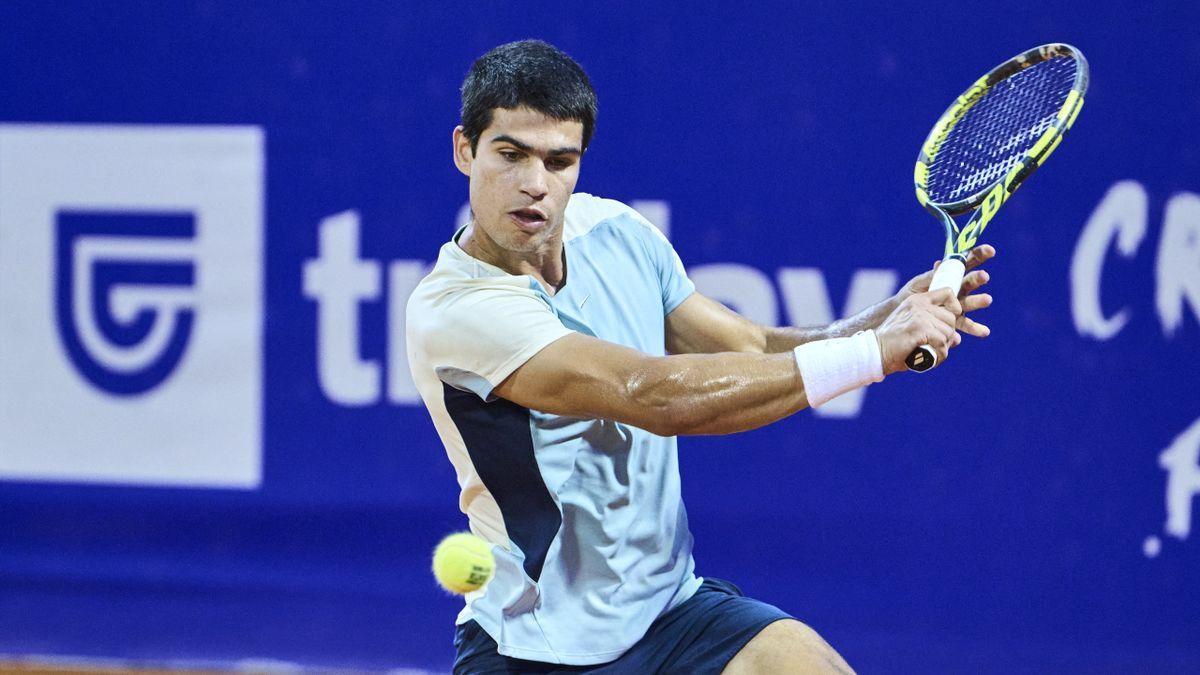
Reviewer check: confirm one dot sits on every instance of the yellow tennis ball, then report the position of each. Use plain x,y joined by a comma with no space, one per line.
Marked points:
463,562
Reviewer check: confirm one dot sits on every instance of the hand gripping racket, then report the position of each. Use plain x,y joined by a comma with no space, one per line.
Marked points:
988,142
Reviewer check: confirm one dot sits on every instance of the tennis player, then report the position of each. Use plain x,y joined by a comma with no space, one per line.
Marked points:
560,348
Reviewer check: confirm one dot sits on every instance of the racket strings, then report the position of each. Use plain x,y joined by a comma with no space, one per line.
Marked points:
999,130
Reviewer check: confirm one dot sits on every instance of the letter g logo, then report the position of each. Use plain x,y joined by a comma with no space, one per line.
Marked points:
125,295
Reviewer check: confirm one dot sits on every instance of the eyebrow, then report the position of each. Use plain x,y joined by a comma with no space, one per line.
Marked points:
503,138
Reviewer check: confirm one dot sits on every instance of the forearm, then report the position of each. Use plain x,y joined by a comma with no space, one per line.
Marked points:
683,394
696,394
786,338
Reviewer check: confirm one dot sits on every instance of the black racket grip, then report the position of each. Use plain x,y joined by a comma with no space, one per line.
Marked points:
921,359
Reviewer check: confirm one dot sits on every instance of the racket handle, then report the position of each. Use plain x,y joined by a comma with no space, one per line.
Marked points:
948,275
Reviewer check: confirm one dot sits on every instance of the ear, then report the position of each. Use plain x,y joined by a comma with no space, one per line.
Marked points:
463,157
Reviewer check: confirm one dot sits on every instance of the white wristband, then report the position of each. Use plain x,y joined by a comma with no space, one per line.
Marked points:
833,367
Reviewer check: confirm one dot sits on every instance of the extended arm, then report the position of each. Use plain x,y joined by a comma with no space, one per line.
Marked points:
581,376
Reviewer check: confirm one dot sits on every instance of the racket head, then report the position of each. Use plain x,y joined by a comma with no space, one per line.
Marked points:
1001,129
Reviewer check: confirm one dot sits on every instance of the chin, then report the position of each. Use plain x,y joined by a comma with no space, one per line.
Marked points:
525,243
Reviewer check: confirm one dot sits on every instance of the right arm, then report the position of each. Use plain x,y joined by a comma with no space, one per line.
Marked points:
582,376
684,394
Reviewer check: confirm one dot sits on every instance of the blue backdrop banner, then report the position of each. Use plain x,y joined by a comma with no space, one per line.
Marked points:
212,214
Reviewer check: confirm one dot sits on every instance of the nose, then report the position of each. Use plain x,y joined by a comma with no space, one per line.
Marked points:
533,182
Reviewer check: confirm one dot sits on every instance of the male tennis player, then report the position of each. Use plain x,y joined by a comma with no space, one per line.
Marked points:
560,348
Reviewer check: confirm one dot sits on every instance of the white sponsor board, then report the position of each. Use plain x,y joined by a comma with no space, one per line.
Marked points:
131,297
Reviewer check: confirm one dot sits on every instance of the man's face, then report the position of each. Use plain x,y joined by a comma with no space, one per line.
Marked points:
522,173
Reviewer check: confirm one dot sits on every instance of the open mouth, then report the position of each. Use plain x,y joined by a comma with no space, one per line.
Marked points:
528,218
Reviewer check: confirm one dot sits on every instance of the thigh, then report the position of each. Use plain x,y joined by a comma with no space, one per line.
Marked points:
787,646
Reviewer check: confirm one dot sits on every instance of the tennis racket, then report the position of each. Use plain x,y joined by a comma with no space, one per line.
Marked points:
988,142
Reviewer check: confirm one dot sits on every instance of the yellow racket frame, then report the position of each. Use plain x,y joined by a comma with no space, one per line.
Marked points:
987,201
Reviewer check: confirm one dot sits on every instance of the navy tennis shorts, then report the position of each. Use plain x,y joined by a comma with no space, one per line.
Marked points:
701,635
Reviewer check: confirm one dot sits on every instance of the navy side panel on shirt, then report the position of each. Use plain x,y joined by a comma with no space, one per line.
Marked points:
500,443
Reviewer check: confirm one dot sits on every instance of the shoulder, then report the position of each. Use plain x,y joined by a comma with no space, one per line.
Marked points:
461,290
586,212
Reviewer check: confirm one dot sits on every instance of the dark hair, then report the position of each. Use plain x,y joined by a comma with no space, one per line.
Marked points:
532,74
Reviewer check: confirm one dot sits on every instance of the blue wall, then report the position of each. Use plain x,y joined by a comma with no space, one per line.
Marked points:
1007,511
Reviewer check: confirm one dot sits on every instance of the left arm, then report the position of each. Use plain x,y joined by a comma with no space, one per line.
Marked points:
701,325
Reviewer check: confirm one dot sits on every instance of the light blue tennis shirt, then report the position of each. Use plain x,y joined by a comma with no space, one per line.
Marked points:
584,515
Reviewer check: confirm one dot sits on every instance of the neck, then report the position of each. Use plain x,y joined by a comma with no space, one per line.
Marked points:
544,263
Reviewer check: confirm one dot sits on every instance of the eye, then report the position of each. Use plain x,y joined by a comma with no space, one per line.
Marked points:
559,164
510,155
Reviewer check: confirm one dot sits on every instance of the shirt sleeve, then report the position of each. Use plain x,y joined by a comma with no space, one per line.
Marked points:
672,277
481,335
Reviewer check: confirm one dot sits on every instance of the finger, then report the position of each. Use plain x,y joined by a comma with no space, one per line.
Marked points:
956,340
950,308
943,316
943,352
937,332
948,334
954,306
973,328
973,281
979,255
974,302
941,296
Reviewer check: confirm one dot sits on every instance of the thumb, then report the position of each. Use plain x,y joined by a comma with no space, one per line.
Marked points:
920,283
